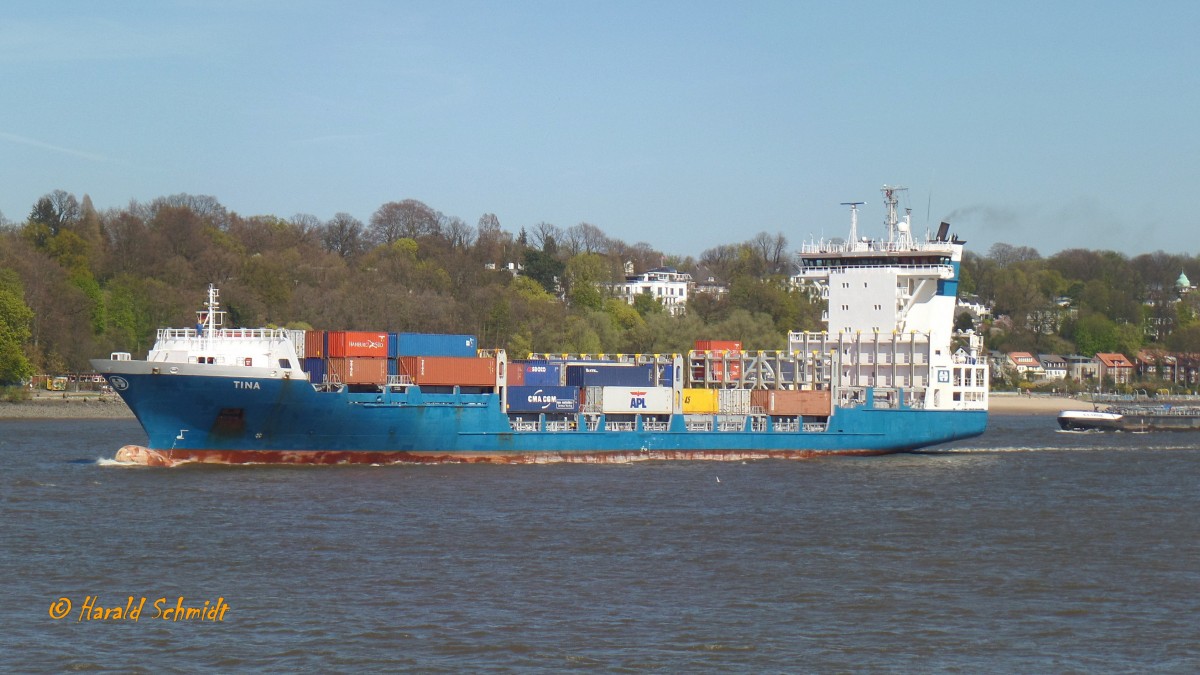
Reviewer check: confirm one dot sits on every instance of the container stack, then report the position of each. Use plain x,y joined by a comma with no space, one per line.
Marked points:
370,357
717,361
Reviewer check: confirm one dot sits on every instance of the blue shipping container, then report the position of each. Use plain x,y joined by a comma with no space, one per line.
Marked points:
543,373
598,375
543,399
316,369
433,344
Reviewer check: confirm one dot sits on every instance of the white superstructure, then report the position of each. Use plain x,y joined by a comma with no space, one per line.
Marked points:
890,313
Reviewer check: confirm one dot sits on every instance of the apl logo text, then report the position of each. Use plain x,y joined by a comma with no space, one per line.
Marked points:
638,400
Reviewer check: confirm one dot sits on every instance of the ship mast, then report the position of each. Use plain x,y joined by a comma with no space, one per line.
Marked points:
853,222
891,219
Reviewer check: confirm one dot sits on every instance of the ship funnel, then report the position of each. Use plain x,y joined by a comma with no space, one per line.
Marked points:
943,231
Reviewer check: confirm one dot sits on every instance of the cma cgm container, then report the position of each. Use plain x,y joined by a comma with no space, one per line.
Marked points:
349,343
432,344
449,370
359,369
606,375
543,399
650,400
792,402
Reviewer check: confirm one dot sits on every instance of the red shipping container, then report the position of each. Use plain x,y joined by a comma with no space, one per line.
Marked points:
449,370
516,374
359,370
357,343
314,344
790,402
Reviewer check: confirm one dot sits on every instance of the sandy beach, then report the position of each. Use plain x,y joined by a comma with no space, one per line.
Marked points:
1037,404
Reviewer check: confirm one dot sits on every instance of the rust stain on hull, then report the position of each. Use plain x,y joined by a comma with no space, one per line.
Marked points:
136,454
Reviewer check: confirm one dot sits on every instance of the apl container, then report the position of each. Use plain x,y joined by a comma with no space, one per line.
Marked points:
435,344
650,400
449,370
349,343
608,375
543,399
359,369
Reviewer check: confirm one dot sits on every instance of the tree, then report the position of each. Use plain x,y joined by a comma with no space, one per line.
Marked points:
15,321
344,235
405,219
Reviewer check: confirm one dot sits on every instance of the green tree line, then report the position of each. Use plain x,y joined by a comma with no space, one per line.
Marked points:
76,283
79,283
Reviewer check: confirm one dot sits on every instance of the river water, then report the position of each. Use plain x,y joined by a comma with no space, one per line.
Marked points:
1024,550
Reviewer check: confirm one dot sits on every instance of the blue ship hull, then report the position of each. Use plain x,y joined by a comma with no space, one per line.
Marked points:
191,417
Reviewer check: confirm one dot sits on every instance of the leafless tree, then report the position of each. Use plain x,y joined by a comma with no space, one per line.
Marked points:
344,235
545,232
586,238
458,233
396,220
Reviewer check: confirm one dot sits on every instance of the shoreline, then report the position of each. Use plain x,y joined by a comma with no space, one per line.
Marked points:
93,405
67,405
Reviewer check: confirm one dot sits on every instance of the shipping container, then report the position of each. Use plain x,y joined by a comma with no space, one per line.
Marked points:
543,399
649,400
733,401
435,344
314,344
543,373
296,337
449,370
515,377
792,402
700,401
609,375
350,343
718,345
316,370
359,369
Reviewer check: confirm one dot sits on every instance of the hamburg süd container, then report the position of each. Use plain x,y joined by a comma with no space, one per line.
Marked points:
543,373
350,343
543,399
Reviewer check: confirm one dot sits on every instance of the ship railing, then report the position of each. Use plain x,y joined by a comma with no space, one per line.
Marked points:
619,425
699,424
786,425
655,425
399,380
523,425
816,427
560,425
223,333
731,425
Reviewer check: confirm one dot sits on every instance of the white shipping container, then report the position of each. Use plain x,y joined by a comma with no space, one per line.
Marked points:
734,402
649,400
297,339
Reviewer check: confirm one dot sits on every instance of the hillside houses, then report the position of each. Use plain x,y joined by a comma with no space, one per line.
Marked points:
1110,368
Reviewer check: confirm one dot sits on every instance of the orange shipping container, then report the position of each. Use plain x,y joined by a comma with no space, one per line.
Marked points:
359,370
314,344
718,345
449,370
357,343
788,402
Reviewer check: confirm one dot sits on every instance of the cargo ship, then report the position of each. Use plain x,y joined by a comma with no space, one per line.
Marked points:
886,376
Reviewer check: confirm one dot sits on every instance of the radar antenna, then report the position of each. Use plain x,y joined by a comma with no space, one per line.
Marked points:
853,221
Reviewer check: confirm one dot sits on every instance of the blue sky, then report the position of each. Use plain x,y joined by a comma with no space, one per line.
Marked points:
682,124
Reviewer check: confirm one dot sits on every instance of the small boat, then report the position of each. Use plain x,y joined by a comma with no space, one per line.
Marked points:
1163,417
